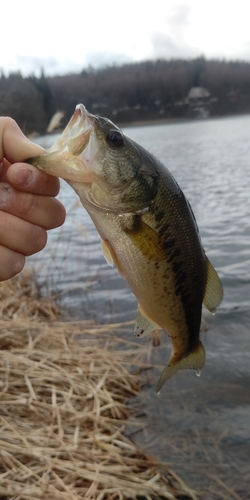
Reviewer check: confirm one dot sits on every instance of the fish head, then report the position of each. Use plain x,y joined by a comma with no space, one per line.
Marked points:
106,168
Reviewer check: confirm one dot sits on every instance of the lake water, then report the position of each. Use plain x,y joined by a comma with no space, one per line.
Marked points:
201,426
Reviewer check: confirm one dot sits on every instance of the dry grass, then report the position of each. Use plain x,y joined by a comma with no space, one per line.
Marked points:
63,409
20,299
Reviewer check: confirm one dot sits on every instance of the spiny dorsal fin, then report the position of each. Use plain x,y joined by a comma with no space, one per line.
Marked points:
213,292
194,361
143,325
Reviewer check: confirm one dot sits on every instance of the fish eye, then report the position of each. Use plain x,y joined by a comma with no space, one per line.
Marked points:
115,138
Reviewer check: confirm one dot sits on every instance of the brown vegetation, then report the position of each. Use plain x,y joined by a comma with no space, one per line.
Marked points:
63,408
149,90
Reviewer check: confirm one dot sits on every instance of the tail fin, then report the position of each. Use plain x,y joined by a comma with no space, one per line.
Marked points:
194,361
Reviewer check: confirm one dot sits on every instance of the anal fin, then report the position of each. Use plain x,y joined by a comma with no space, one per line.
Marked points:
143,325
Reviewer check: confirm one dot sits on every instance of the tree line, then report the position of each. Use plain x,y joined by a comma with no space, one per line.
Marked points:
149,90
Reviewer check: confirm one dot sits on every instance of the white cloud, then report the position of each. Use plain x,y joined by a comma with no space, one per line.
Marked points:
63,37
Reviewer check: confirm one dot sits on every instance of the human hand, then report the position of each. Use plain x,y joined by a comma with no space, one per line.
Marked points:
28,207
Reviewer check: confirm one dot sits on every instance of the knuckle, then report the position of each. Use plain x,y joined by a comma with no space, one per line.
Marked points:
27,204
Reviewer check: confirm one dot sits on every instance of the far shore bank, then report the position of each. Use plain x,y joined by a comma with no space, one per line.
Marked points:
145,123
165,121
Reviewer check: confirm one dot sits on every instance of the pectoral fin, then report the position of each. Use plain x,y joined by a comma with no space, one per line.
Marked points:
111,256
146,239
194,361
143,325
213,291
107,254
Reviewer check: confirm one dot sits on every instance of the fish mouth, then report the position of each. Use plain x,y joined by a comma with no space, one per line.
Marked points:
76,134
63,158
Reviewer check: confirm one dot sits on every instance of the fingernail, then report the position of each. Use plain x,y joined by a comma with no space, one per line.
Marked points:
23,177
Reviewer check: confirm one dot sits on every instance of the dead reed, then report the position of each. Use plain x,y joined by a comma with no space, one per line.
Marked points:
63,408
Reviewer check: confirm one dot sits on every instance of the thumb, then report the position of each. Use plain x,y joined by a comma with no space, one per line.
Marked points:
14,146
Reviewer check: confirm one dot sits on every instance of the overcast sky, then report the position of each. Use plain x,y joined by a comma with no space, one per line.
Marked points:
69,35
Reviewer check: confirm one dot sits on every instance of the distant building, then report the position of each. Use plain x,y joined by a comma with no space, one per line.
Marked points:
199,100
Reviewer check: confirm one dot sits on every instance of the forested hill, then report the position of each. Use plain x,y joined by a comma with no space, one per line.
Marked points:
150,90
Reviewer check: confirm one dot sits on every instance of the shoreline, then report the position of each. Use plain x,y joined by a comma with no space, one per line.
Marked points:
146,123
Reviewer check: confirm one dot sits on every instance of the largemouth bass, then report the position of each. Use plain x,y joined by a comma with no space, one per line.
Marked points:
147,230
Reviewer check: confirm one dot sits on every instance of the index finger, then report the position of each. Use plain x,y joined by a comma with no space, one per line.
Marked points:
27,178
